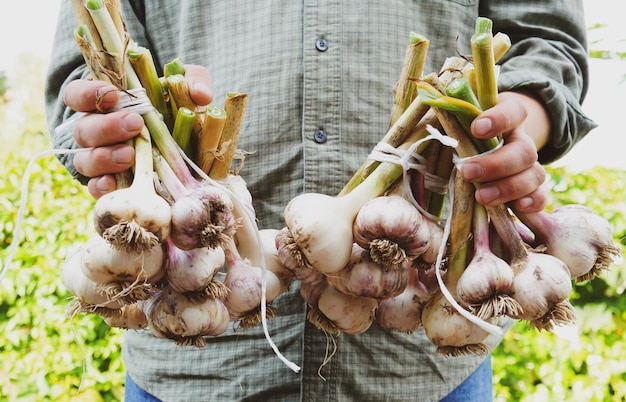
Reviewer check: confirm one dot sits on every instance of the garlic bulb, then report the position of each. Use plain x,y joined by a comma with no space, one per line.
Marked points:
453,334
576,235
403,312
486,282
363,277
392,229
542,289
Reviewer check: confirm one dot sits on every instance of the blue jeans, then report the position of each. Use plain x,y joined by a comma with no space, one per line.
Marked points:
132,392
478,387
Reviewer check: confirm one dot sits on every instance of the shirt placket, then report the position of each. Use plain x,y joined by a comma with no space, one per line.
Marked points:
321,135
321,112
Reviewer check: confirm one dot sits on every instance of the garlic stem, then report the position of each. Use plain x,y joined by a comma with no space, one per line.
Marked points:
210,136
460,229
234,107
484,63
414,60
143,64
183,129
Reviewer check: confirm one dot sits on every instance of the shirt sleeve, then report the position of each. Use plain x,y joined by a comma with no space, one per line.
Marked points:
549,58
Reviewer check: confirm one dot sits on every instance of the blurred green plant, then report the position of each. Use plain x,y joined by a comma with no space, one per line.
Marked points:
4,86
44,355
598,50
583,362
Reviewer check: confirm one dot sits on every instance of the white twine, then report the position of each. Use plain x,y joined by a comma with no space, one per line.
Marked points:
409,159
23,199
458,161
132,100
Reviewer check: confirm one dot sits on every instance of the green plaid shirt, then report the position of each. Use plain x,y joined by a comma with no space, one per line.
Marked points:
315,111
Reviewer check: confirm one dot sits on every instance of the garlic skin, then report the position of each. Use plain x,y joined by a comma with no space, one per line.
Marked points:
350,314
185,320
321,228
335,312
471,288
576,235
485,286
453,334
130,316
403,312
103,263
132,220
542,289
311,290
392,229
202,218
87,293
364,277
244,283
192,270
285,246
429,255
271,258
238,186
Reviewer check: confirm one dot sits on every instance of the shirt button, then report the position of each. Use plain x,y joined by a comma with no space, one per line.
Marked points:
321,45
320,136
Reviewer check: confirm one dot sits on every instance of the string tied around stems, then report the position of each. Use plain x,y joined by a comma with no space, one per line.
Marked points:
130,100
458,161
408,159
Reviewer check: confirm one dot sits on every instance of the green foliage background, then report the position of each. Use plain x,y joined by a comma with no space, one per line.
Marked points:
46,356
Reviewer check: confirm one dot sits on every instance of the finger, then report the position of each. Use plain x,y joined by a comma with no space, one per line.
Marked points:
200,84
533,202
506,115
104,160
516,155
513,188
101,185
96,130
90,96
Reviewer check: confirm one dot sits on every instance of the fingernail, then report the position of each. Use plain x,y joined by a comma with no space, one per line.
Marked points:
104,185
482,127
132,123
122,156
471,171
203,88
525,202
107,96
488,194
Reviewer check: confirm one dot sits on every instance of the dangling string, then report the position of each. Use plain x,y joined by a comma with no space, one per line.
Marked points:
487,326
23,199
248,214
